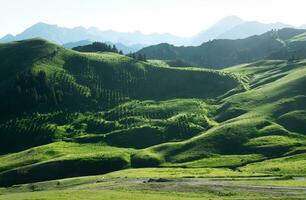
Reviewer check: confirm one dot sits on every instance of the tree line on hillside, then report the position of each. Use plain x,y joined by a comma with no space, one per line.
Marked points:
103,47
98,47
30,89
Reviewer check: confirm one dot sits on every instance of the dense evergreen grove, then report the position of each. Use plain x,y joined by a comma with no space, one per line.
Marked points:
138,56
180,63
29,90
103,47
98,47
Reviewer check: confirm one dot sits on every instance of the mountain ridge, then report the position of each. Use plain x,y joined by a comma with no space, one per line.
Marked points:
222,53
61,35
231,27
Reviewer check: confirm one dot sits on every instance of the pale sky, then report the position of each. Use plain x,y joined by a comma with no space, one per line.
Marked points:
179,17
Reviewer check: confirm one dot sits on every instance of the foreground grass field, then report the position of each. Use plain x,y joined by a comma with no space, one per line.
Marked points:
164,184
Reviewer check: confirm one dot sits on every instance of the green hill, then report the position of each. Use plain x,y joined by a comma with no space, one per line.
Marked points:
51,94
221,53
47,76
74,114
262,123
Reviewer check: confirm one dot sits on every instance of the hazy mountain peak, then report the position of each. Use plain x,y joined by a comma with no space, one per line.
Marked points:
230,20
42,25
80,28
220,27
7,38
250,28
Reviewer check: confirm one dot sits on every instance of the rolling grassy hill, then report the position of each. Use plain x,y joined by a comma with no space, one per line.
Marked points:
74,114
51,94
45,74
264,122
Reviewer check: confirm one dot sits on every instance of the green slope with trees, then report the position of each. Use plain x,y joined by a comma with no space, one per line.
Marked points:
216,54
74,114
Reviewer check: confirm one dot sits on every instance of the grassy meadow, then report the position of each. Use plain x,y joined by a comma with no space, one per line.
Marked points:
106,126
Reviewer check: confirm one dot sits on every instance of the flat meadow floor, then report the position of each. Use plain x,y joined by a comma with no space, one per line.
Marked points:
152,184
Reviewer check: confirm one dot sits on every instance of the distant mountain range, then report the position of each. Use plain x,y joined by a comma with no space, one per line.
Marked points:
61,35
221,27
231,27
